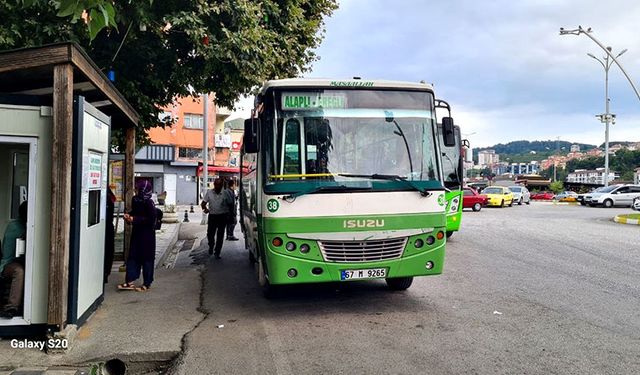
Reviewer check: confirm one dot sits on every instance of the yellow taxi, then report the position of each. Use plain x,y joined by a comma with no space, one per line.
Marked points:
498,196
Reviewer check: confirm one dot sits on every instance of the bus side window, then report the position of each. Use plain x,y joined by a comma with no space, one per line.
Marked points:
292,147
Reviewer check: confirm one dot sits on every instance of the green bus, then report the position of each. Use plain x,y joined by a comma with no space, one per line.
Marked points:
342,180
452,165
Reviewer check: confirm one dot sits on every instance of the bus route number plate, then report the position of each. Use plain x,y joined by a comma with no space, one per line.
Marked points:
371,273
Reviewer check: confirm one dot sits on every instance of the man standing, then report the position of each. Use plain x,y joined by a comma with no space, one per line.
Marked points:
220,206
233,217
12,265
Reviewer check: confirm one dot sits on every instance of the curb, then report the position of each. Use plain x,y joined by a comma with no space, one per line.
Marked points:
624,220
172,241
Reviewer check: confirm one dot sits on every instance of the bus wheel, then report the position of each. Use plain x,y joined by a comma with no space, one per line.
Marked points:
449,233
399,283
268,290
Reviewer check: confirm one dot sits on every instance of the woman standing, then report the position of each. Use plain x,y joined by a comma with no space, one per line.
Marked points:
142,250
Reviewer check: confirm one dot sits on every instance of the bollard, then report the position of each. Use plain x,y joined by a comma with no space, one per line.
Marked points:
186,217
191,211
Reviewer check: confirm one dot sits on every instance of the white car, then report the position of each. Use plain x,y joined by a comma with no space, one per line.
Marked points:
615,195
520,194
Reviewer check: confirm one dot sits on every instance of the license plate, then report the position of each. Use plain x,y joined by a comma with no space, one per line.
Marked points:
370,273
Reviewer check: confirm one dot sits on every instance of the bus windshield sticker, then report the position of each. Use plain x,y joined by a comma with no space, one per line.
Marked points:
312,100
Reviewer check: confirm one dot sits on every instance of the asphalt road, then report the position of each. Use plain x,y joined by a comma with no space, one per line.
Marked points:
538,289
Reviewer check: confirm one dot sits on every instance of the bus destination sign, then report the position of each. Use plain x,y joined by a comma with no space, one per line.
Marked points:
310,101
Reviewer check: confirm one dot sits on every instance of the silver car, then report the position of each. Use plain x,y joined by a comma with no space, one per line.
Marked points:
520,194
615,195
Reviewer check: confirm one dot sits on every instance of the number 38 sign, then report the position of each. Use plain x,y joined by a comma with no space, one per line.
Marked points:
273,205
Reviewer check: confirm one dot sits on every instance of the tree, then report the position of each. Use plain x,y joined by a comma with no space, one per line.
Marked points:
162,49
556,187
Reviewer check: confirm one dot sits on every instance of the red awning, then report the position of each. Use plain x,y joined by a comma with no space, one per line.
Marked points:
214,169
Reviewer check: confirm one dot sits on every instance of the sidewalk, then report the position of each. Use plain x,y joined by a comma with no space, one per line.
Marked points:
143,329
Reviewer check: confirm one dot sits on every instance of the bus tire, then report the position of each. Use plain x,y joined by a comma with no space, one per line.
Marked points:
268,291
399,283
449,233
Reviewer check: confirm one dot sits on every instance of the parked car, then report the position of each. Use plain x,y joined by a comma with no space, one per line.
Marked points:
580,197
543,195
636,204
471,199
614,195
567,196
520,194
498,196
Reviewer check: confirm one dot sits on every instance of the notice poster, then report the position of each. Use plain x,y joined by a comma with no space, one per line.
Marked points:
116,179
94,177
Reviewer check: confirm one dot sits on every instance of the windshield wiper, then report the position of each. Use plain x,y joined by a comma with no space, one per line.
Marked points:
390,177
317,189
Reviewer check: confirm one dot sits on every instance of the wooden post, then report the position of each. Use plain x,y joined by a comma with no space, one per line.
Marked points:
129,166
60,194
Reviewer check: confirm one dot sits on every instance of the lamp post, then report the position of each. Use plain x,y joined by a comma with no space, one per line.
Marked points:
607,117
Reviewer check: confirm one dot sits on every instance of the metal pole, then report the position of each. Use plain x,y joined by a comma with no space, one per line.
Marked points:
606,117
205,152
587,32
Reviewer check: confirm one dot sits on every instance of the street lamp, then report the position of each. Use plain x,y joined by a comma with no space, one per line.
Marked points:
607,117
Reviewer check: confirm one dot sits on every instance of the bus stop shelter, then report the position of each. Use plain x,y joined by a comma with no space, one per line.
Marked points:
53,82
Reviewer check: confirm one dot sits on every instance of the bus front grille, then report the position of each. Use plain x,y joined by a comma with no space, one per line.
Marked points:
362,251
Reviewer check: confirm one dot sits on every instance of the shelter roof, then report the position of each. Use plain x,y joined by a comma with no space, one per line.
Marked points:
28,73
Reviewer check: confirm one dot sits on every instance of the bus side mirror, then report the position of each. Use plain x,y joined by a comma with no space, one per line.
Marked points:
250,139
448,132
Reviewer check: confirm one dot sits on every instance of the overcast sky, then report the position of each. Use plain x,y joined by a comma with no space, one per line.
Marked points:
502,65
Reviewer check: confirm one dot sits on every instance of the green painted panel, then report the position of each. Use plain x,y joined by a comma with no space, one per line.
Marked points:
353,223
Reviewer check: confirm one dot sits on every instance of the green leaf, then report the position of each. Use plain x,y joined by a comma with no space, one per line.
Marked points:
96,24
67,8
111,12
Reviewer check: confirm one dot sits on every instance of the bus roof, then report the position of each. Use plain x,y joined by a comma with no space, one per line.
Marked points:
344,83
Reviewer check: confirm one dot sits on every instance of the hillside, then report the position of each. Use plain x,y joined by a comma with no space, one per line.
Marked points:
525,151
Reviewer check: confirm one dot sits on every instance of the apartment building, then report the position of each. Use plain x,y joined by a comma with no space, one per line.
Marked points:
591,176
173,162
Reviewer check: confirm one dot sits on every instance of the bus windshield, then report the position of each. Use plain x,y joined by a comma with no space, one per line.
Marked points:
323,134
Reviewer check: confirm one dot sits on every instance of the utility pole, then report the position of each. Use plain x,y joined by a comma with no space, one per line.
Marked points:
205,152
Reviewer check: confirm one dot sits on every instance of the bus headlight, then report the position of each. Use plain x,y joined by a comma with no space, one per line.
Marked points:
455,203
304,248
291,246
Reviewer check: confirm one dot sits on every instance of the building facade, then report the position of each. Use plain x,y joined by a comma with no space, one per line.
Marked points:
532,167
173,162
591,176
488,158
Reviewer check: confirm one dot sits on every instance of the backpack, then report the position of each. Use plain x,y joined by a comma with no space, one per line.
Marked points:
159,214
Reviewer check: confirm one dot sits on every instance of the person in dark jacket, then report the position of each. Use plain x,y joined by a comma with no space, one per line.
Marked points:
233,216
110,234
142,249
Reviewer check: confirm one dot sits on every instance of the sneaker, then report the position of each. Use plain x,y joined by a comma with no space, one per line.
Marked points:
218,256
234,238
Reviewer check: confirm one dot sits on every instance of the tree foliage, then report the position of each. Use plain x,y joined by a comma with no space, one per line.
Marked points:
556,187
163,49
